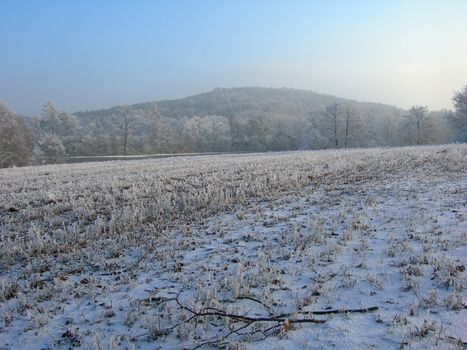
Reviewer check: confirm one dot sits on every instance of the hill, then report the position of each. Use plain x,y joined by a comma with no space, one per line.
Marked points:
250,119
229,102
240,119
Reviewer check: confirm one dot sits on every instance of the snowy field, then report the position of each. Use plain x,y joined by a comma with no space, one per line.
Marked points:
358,249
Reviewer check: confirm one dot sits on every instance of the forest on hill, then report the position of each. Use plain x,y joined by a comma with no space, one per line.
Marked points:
227,120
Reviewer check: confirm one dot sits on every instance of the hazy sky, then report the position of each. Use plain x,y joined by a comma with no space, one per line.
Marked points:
94,54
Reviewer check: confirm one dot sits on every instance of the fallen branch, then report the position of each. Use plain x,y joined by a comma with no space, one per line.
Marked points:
260,319
456,340
211,311
341,311
239,324
255,300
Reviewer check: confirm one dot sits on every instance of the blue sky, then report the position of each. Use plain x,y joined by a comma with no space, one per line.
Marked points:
94,54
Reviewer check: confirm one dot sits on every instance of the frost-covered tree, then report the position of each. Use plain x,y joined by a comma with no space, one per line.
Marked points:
156,124
458,119
55,121
96,140
162,137
209,133
333,112
192,132
238,125
313,139
50,122
386,129
253,133
257,119
259,131
418,126
124,118
16,139
51,146
353,125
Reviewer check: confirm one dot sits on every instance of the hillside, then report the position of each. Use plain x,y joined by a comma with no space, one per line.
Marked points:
239,119
230,102
248,119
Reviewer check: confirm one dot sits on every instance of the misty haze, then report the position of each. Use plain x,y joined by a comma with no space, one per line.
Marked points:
233,174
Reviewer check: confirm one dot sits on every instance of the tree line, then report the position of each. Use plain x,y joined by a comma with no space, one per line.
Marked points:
249,119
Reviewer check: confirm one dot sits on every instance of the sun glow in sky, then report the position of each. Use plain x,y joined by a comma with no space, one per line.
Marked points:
95,54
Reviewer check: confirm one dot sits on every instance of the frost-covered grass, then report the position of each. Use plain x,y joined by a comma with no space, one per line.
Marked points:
93,255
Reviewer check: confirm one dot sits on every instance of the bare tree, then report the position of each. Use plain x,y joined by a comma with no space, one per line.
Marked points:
334,111
156,121
124,117
352,124
126,132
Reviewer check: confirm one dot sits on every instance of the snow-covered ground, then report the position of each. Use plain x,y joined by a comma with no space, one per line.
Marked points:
190,252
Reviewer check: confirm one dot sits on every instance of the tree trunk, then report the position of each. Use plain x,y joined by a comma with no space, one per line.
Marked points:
418,132
335,130
346,128
125,135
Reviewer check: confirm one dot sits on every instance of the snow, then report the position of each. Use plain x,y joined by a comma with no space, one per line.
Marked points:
377,234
